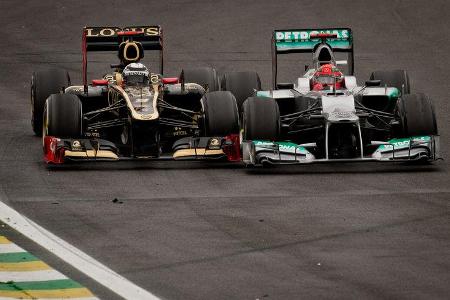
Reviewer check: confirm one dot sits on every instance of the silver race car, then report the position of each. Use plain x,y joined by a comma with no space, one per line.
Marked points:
325,116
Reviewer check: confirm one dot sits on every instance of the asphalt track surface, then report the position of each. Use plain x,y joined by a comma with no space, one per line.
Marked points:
185,230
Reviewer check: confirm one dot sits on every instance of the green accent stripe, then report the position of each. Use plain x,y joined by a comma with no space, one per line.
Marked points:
17,257
40,285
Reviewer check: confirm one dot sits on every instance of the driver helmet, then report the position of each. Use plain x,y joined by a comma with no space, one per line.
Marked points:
135,74
327,76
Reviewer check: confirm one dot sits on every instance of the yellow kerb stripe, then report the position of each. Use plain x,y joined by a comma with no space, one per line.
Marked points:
24,266
4,240
57,294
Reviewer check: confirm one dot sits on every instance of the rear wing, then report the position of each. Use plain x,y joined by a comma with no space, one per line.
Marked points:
307,40
108,38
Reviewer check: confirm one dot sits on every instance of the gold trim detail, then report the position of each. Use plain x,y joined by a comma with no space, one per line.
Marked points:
91,154
134,113
138,52
196,152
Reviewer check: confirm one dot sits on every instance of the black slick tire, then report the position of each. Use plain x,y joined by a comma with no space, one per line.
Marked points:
416,116
63,116
241,84
261,119
204,76
393,78
43,84
221,116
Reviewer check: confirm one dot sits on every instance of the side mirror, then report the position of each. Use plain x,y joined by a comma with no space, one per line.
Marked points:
373,82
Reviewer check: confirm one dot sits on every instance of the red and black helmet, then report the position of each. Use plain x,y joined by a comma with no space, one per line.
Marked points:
327,76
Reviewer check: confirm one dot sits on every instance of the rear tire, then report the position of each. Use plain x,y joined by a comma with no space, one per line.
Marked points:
416,114
261,119
393,78
221,115
206,77
241,84
63,116
43,84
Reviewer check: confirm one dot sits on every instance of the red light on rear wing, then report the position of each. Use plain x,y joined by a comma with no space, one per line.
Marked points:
170,80
323,36
129,33
97,82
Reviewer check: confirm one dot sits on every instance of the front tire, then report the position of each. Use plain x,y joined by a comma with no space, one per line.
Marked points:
43,84
63,116
261,119
221,116
416,115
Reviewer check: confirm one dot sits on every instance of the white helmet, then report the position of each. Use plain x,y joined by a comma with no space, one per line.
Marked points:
135,73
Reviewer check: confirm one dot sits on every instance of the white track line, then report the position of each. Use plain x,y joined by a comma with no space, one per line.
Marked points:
73,256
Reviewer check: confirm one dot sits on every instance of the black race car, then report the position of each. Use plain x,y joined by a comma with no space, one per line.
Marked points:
132,113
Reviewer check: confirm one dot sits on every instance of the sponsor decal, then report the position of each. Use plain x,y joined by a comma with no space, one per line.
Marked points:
342,114
112,31
214,142
180,133
281,146
92,134
301,39
288,36
138,73
76,145
404,143
155,78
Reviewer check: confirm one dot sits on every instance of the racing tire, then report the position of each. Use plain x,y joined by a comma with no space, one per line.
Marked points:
205,76
416,115
63,115
241,84
43,84
394,78
221,116
261,119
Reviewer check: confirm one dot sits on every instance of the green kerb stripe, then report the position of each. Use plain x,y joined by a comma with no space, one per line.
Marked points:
40,285
17,257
